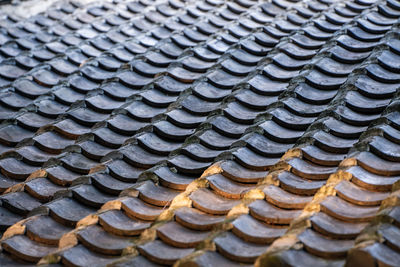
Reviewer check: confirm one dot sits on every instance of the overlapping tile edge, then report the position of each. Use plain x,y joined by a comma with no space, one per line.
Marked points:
257,178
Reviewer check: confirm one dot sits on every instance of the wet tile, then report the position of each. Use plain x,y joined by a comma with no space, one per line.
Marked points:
333,144
371,181
266,147
253,161
79,255
116,90
68,211
136,208
161,253
45,230
236,249
240,113
70,128
138,157
51,142
227,127
324,247
123,171
28,250
322,81
287,119
255,231
335,228
227,188
98,240
86,116
176,235
358,195
297,52
303,258
343,210
8,218
377,165
374,89
16,169
360,34
379,252
143,112
200,152
170,131
322,157
46,78
311,171
197,220
355,45
238,173
78,163
116,222
253,47
215,258
282,199
298,185
157,145
156,195
82,84
90,196
19,202
382,75
384,148
12,134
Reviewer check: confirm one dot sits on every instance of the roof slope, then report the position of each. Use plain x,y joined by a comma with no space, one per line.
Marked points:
201,133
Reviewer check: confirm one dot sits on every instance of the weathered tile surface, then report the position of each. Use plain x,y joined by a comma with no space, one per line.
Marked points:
201,133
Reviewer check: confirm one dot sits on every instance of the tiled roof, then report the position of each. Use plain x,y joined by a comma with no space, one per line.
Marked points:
201,133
